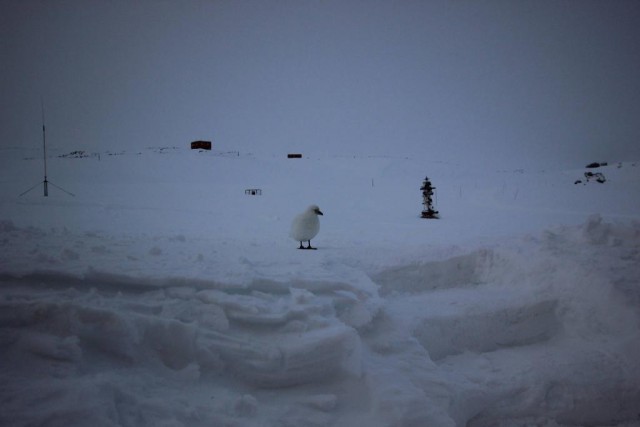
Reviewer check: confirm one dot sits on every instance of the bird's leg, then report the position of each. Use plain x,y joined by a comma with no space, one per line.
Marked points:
309,246
301,247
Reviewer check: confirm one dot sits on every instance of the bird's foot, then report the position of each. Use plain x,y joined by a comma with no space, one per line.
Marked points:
307,247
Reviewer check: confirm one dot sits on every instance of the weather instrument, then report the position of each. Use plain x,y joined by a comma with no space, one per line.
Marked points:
428,190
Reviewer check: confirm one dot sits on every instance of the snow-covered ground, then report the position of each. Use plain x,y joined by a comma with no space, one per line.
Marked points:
162,295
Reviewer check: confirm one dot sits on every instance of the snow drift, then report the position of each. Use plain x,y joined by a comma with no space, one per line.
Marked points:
117,322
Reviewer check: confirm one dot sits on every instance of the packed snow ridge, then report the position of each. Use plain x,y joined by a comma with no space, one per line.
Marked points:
157,328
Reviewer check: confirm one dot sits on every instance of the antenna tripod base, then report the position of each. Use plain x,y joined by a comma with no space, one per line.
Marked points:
46,188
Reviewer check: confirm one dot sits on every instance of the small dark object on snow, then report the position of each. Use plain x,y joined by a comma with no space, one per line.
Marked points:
201,145
253,192
596,165
427,201
294,156
598,176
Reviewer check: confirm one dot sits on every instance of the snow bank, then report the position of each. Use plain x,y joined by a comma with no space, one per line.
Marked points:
536,330
156,307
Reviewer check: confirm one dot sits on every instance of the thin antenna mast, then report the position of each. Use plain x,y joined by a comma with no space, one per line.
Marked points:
44,156
44,152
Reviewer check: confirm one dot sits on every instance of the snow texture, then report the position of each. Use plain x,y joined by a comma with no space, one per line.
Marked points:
160,295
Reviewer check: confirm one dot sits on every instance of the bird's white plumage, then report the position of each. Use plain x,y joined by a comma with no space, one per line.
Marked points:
306,225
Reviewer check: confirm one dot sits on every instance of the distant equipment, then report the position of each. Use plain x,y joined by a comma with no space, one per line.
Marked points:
201,145
253,192
294,156
589,176
427,200
596,165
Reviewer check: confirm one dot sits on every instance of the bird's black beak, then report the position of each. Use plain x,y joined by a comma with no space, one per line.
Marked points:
318,212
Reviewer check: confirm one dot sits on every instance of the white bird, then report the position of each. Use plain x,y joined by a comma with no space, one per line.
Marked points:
305,226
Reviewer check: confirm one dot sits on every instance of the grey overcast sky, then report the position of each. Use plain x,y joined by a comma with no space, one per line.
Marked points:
525,81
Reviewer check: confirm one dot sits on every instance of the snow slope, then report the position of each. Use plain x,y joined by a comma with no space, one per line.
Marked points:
163,295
